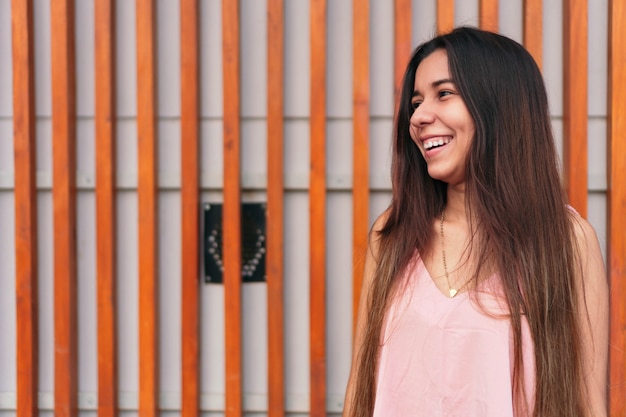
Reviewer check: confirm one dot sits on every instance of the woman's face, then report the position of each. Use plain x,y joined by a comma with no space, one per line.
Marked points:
441,125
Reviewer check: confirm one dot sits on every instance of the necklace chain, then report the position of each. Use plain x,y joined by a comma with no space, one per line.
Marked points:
451,291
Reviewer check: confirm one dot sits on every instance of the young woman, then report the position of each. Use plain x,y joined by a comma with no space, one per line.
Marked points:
484,293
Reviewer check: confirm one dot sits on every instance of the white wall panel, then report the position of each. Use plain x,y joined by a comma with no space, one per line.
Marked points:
169,290
381,58
211,154
424,20
41,26
253,154
511,22
126,153
85,57
127,291
86,292
253,54
297,59
466,13
168,57
339,59
296,290
339,146
6,62
210,33
338,294
7,293
45,274
297,154
125,59
169,154
598,57
553,55
6,154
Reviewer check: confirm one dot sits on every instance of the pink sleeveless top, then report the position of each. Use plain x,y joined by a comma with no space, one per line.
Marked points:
449,357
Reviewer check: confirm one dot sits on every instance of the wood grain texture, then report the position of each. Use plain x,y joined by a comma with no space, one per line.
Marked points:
533,29
231,212
616,204
275,208
190,203
488,15
64,207
360,131
445,16
402,43
106,262
25,195
575,102
317,210
147,209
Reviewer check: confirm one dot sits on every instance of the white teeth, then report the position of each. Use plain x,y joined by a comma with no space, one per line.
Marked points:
435,143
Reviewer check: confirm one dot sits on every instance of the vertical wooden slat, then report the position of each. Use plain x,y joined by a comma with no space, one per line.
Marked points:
360,129
616,204
64,208
489,15
317,210
445,15
401,43
147,209
575,102
275,201
533,29
105,206
27,340
232,208
190,200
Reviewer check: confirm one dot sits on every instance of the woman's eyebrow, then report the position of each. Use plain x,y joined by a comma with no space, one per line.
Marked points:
435,84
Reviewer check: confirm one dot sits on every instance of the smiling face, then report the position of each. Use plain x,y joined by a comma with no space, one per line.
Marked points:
441,125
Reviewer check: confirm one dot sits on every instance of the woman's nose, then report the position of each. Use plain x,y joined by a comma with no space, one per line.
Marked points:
422,116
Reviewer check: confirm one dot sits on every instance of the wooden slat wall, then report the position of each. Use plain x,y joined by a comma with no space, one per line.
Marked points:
26,294
106,262
64,208
317,210
402,43
445,15
616,204
533,29
64,199
147,209
190,203
488,15
360,132
231,213
575,102
275,209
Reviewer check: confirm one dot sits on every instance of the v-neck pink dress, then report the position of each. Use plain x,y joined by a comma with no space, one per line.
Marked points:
449,357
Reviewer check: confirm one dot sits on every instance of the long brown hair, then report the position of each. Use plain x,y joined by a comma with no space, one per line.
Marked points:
518,206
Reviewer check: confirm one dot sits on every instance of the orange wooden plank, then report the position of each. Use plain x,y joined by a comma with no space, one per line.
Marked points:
445,15
147,209
190,200
533,29
575,102
105,206
231,213
27,368
616,204
402,43
317,210
360,129
275,201
488,15
64,208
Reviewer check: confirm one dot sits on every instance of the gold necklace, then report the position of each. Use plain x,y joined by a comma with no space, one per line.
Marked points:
451,291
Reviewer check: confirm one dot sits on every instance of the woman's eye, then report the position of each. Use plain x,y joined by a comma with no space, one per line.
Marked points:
415,104
444,93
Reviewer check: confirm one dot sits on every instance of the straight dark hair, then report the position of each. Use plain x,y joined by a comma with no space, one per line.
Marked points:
518,215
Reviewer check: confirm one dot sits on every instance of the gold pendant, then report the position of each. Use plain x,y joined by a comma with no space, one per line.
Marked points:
452,292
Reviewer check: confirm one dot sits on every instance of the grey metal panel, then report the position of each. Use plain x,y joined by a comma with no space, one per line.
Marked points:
6,60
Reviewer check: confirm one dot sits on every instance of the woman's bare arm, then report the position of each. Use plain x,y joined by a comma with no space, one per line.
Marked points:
594,317
359,334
